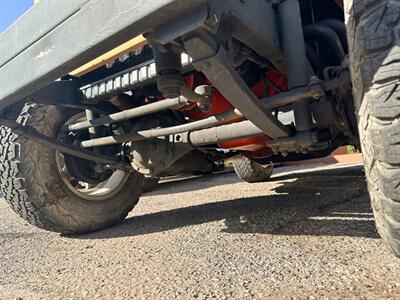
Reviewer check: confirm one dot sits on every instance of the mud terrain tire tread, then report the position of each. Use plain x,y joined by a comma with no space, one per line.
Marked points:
251,171
32,185
373,33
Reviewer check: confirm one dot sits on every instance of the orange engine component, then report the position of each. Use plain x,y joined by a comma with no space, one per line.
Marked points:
251,147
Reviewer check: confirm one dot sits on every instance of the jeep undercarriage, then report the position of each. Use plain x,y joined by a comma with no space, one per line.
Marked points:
215,78
195,83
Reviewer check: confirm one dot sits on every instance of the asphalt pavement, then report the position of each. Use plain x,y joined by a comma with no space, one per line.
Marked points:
308,233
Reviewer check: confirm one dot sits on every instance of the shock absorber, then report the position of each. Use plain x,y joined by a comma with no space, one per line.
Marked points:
295,57
170,81
169,69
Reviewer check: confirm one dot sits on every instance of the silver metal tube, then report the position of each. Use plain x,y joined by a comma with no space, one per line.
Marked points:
153,133
130,113
90,115
267,103
223,133
293,96
295,58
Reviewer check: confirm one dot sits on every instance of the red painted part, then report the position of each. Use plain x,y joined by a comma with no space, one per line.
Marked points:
251,147
279,80
219,104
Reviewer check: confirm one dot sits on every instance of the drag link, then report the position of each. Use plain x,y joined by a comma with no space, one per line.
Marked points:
154,133
131,113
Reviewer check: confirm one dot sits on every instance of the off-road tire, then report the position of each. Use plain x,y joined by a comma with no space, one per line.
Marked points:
150,184
373,32
33,186
251,171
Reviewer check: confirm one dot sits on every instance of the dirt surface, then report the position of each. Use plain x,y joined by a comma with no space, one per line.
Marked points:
304,235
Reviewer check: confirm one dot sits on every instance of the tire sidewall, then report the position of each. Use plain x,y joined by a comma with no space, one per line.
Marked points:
46,189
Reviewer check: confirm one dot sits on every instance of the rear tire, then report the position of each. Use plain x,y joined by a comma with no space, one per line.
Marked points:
32,184
373,32
251,171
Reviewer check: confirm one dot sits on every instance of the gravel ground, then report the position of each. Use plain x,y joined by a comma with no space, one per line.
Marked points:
307,234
